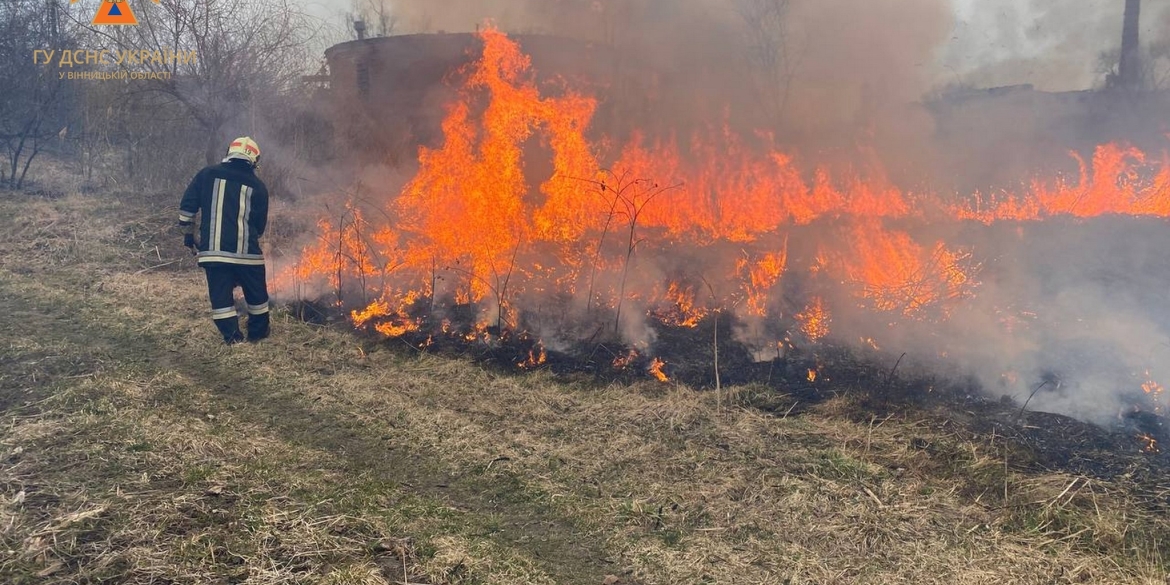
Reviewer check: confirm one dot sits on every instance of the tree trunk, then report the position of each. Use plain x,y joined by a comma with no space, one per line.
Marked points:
214,149
28,163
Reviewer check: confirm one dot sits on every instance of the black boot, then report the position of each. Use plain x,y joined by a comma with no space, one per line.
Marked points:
258,327
230,329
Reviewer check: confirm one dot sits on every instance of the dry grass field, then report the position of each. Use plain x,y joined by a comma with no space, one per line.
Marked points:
136,448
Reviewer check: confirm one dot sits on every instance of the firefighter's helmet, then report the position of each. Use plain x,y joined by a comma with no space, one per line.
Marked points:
244,148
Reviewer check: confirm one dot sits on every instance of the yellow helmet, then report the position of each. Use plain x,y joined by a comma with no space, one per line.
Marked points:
244,148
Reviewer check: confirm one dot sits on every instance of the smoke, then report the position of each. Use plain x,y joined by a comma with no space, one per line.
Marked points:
1065,314
1066,311
1055,45
823,71
891,48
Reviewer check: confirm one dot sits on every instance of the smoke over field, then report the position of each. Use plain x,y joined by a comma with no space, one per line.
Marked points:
770,168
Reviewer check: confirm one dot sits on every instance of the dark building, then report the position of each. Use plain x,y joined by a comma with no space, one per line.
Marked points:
1129,70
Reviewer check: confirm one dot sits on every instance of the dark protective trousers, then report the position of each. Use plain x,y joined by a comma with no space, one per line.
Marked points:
222,279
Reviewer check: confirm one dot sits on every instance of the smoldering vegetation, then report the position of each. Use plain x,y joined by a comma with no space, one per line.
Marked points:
1048,306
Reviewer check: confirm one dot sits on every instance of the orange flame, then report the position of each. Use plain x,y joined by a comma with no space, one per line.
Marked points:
893,273
537,356
395,330
814,321
1111,185
392,322
761,276
1157,394
655,369
623,361
683,312
474,228
376,309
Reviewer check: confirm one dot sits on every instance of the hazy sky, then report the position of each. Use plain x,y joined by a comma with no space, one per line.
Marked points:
1053,44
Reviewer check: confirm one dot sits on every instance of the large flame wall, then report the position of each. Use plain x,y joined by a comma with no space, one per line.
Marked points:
621,239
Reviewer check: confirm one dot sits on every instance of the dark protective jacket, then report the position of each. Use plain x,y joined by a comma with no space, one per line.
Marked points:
233,204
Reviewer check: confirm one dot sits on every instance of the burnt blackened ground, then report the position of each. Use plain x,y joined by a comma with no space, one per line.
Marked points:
1134,446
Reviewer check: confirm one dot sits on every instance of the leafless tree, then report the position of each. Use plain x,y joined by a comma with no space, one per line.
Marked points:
247,52
97,109
771,51
34,102
627,199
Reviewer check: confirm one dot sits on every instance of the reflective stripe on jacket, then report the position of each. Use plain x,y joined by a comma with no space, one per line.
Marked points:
233,204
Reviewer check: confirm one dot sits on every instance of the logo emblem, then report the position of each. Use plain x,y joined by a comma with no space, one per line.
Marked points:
114,12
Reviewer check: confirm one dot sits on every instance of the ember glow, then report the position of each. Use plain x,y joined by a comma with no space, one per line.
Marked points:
615,239
1149,444
623,361
814,321
1157,394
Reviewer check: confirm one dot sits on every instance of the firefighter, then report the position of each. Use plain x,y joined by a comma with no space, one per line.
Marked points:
233,206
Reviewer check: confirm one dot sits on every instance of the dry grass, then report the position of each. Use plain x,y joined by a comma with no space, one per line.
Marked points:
149,453
101,483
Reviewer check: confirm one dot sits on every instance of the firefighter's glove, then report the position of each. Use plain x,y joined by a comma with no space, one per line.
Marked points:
189,241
